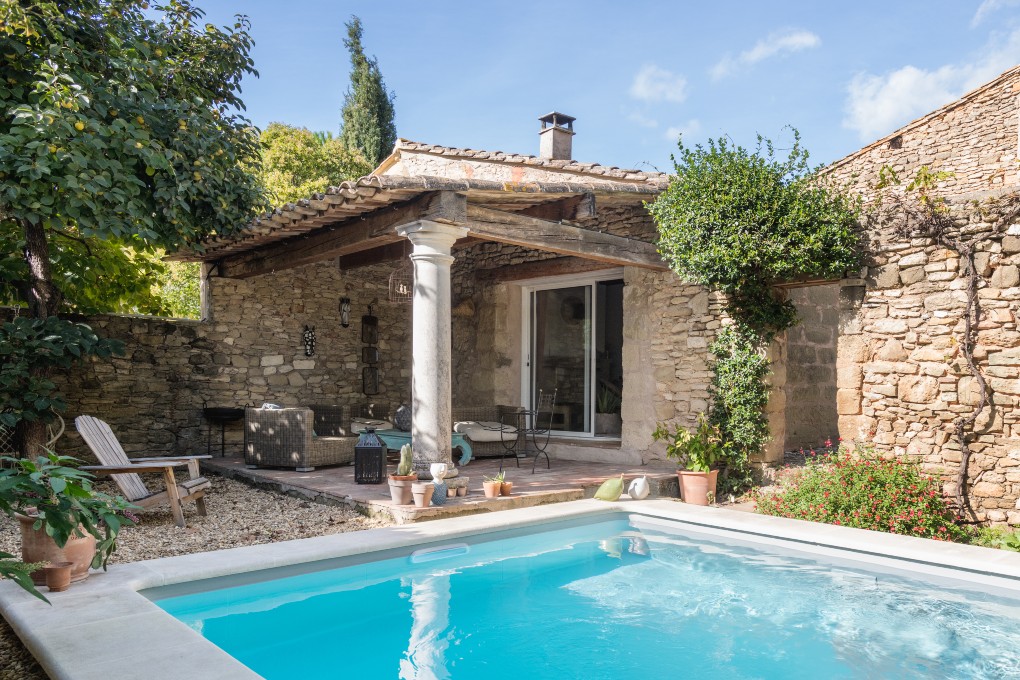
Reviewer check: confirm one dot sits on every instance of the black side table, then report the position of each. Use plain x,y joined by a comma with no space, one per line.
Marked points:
220,415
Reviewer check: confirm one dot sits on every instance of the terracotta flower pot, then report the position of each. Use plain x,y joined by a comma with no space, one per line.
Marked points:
695,486
37,546
400,488
491,489
58,576
506,488
422,492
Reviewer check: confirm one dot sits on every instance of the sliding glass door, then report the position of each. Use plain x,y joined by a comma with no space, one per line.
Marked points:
574,347
561,354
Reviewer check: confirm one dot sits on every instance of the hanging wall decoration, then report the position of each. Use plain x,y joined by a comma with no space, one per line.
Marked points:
345,312
308,338
369,328
402,281
370,353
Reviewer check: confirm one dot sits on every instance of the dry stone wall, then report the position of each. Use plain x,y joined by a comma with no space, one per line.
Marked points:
811,367
901,375
250,352
974,138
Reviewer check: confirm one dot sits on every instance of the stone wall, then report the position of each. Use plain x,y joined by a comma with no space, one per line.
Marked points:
975,138
250,352
902,378
811,367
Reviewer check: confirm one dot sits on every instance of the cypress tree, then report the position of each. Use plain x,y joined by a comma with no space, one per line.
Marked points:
368,126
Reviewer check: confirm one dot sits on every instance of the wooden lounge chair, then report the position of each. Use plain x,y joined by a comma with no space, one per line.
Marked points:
124,471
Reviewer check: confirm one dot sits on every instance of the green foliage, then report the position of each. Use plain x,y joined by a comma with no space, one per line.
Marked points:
95,275
997,537
62,500
119,127
739,390
177,288
607,401
297,162
124,123
499,477
740,222
856,488
699,450
13,569
368,115
41,344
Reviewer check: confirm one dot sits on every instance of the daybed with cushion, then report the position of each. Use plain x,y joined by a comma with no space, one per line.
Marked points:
487,427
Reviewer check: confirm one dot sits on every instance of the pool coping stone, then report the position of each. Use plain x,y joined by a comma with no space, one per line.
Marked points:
103,627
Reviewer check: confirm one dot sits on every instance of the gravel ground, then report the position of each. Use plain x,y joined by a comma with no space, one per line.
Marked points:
238,515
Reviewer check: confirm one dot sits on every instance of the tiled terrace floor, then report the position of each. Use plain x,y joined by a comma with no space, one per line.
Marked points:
565,481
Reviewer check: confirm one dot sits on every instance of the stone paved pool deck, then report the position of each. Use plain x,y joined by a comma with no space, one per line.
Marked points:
565,480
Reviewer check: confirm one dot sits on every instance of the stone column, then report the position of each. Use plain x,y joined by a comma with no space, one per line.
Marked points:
431,381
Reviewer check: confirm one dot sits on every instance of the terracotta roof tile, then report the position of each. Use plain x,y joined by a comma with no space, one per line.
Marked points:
503,157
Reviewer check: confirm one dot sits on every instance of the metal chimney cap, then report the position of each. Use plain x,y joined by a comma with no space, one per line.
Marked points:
557,119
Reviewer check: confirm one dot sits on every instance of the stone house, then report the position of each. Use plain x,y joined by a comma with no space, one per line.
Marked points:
539,273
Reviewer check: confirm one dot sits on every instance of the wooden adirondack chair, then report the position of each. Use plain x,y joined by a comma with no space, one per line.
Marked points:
124,471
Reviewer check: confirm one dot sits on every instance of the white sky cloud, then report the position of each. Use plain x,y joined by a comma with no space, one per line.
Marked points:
989,7
643,121
878,104
780,42
688,129
655,84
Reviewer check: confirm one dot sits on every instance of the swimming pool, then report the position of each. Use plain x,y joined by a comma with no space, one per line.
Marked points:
843,601
608,596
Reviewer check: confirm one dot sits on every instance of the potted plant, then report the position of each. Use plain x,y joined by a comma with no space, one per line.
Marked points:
422,492
607,412
505,487
699,452
400,483
62,518
493,485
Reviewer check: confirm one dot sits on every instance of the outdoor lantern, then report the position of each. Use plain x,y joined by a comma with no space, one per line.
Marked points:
345,312
369,458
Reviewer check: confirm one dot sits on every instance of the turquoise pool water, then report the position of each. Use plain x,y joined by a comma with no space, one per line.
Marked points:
606,600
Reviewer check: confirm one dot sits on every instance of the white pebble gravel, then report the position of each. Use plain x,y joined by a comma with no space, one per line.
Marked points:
239,515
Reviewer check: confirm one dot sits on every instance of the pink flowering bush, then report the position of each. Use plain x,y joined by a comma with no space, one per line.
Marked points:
856,488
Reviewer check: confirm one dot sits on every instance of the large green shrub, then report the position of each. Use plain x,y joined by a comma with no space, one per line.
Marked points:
740,222
856,488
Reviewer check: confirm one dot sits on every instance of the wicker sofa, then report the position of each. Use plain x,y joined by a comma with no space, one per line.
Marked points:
285,438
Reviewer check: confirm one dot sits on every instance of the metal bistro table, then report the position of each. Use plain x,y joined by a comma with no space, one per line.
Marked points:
394,439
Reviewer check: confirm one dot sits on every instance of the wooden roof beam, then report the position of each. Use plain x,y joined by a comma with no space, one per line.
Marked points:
350,236
539,234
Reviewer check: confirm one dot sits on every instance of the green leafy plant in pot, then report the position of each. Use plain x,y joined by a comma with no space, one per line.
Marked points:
62,518
607,412
699,452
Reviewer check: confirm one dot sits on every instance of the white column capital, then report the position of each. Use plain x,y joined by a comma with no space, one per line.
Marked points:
431,237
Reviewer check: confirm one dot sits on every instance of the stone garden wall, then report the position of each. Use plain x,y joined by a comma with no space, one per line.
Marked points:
811,367
250,352
902,378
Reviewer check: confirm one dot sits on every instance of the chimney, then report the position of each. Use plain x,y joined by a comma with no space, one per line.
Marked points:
554,137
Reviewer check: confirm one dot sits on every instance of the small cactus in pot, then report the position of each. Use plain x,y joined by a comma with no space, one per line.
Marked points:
400,483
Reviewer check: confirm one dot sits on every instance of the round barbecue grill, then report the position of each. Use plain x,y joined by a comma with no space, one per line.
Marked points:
220,415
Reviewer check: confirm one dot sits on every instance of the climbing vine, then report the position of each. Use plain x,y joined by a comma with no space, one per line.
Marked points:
740,221
920,213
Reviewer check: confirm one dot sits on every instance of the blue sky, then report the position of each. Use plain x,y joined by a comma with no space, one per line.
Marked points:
634,74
